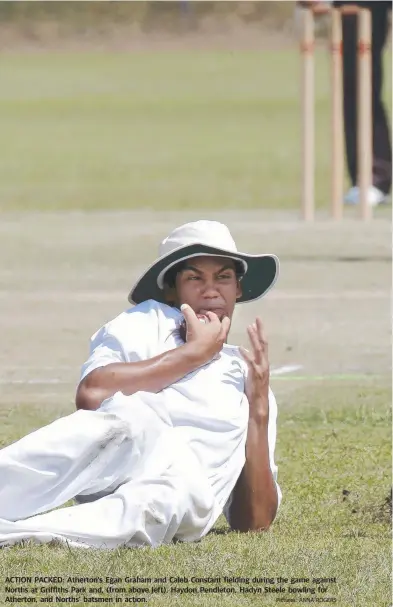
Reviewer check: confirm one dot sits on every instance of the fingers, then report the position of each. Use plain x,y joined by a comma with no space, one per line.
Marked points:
215,329
225,326
255,342
258,341
189,315
246,355
261,333
212,316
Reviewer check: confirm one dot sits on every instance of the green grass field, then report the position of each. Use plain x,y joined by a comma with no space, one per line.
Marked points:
159,130
145,141
333,437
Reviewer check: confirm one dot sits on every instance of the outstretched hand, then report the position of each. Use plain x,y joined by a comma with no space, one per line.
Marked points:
257,383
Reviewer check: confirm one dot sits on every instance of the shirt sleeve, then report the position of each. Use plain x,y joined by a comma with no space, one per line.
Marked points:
272,435
105,348
131,336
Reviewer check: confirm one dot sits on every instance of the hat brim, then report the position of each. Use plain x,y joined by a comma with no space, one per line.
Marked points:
262,273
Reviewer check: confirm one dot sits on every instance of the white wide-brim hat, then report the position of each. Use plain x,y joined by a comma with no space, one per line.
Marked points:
205,238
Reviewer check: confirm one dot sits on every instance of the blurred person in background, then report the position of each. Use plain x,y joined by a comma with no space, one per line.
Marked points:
382,151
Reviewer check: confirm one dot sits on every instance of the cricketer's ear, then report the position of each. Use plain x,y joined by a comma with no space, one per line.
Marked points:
239,290
170,295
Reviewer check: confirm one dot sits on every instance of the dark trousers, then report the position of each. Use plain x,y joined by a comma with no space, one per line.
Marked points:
382,151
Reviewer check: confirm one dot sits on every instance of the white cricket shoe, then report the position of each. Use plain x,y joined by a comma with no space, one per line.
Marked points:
374,196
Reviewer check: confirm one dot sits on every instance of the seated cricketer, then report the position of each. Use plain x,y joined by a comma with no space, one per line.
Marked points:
173,425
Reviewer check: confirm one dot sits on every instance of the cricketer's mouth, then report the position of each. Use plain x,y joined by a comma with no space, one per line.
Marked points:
219,311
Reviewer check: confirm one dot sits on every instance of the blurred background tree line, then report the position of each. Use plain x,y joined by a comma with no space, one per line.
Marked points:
68,18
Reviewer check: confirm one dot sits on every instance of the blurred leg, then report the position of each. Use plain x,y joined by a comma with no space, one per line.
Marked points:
349,28
382,152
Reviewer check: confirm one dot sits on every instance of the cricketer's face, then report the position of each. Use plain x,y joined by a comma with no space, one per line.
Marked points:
207,284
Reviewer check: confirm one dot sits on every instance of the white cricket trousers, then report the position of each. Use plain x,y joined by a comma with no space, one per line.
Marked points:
135,480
